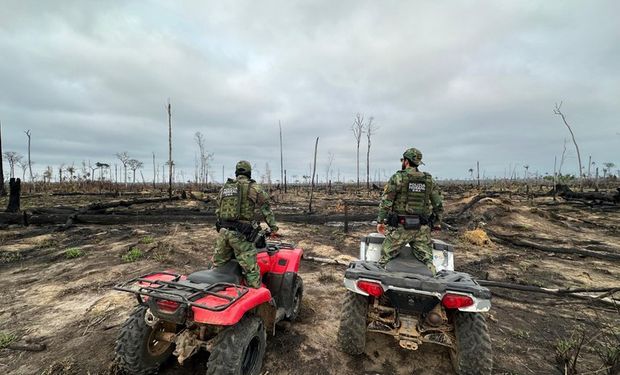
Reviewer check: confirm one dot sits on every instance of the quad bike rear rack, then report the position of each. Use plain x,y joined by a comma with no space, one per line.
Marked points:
180,292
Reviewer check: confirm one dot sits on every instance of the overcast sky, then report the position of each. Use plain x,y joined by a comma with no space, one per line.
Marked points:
460,80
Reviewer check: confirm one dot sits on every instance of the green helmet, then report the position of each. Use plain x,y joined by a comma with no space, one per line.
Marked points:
413,155
243,167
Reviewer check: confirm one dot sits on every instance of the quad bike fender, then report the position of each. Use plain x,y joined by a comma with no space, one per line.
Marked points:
286,260
233,314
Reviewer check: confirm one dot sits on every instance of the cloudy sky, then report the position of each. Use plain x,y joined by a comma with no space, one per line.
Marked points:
461,80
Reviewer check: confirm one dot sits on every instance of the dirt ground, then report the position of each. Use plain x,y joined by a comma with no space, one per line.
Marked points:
68,303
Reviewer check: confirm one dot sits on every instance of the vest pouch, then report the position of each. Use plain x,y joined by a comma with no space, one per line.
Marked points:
410,221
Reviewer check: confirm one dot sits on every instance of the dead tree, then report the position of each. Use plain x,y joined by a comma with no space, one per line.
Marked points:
200,141
281,159
562,159
330,162
205,158
124,158
170,162
2,188
24,166
12,158
154,171
316,145
28,134
71,170
134,165
370,128
558,112
358,130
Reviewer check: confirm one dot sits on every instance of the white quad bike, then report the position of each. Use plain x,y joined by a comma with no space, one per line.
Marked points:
406,301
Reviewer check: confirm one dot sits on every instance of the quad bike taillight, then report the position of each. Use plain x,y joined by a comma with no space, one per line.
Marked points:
372,288
167,305
456,301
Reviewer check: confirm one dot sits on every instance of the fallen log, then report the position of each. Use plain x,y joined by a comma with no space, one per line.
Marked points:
360,203
588,197
520,242
475,200
579,293
325,260
158,218
126,203
11,218
27,347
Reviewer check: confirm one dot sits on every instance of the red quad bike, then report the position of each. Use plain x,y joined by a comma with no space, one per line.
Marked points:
212,310
406,301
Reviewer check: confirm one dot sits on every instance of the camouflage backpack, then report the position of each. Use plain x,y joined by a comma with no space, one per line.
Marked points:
234,202
414,195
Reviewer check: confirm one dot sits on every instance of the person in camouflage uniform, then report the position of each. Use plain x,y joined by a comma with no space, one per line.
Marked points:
237,206
409,194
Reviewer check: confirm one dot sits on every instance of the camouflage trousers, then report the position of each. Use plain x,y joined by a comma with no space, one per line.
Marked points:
232,244
419,240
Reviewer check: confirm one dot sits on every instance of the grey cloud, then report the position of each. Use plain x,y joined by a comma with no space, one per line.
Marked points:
472,81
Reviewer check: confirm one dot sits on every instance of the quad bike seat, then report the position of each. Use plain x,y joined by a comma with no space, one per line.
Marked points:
406,262
228,273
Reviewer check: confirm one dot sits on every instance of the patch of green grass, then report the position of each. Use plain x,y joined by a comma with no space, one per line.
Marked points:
147,240
6,339
10,256
51,242
74,252
132,255
522,334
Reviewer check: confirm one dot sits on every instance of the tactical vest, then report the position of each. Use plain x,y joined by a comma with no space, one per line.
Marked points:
234,202
413,196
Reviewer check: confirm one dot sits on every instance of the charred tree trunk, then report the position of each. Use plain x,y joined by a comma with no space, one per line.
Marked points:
2,187
169,150
316,145
14,203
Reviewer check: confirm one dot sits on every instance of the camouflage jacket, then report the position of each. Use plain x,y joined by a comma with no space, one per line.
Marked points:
394,187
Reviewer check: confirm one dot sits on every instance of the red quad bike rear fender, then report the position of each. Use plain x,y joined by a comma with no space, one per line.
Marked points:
233,314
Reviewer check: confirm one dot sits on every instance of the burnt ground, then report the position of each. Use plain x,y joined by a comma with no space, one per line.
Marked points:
69,305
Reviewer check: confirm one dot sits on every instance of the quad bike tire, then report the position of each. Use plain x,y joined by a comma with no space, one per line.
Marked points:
352,330
298,293
137,351
239,349
473,354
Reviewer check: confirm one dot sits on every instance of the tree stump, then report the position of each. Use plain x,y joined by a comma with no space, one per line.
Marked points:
15,191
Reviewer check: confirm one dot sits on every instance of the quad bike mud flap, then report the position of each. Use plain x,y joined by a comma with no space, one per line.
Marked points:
188,344
408,334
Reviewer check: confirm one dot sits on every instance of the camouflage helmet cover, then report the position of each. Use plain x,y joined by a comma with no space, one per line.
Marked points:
243,167
413,155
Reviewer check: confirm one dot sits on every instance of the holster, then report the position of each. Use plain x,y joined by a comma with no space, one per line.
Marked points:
391,219
250,231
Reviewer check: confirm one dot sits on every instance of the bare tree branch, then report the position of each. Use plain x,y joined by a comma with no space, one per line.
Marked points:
558,112
358,130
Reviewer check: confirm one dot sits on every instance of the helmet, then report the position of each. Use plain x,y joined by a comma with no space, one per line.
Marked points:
413,155
243,167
